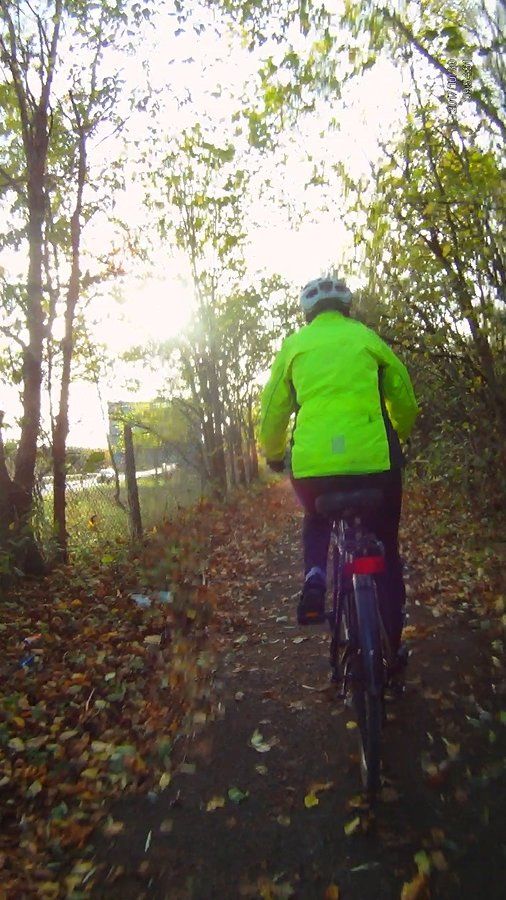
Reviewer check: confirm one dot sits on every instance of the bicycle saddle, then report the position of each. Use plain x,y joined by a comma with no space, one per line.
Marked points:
340,504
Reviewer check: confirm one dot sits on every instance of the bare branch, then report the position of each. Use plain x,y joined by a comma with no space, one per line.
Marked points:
10,56
44,99
479,102
9,181
12,337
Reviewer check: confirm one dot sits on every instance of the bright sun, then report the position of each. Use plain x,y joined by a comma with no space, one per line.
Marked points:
160,307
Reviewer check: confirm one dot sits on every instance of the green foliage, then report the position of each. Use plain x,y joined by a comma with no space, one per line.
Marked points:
94,461
83,98
229,340
461,41
434,259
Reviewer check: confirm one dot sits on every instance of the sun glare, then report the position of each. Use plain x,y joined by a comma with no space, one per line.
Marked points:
159,308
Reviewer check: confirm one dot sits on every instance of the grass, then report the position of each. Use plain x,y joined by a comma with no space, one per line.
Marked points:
94,520
160,497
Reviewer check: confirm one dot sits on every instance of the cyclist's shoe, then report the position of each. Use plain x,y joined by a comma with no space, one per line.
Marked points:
311,608
397,672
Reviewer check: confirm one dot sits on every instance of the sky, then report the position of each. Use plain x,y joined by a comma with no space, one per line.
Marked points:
156,304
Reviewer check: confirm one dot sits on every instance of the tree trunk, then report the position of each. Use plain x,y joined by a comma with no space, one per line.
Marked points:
496,397
231,467
35,133
16,514
241,472
6,504
131,480
61,428
253,454
219,462
213,426
114,464
32,355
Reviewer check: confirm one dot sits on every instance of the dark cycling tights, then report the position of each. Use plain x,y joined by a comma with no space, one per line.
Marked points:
384,522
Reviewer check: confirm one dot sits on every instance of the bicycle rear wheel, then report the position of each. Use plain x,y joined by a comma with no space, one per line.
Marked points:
367,682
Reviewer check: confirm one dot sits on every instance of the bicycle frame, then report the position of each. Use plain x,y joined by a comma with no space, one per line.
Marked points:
357,554
359,651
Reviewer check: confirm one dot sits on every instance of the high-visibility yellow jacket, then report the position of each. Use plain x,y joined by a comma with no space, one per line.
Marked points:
352,397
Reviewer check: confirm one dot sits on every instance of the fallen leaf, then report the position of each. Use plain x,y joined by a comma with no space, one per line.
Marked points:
91,774
165,780
435,774
37,742
319,786
352,826
331,893
101,747
48,889
310,800
423,862
359,801
236,795
112,828
417,889
271,890
34,789
439,861
215,803
166,826
366,867
452,750
258,743
389,795
283,890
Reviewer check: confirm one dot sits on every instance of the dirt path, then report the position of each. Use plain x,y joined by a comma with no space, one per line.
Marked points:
240,820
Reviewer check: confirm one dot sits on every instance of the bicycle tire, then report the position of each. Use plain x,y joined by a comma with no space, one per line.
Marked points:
367,682
369,712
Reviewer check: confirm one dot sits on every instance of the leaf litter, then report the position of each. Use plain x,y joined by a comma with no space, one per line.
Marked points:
95,687
80,707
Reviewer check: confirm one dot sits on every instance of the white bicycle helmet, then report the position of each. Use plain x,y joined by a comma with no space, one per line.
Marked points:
324,289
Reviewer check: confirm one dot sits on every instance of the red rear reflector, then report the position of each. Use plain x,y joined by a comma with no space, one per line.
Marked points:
365,565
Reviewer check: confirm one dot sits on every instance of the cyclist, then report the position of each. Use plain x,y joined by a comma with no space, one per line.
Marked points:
353,403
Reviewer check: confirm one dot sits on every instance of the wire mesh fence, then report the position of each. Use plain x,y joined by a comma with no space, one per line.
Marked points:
98,515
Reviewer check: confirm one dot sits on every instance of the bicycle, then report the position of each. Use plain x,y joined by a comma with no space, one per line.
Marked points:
360,653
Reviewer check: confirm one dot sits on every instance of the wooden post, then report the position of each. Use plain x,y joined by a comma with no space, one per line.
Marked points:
131,480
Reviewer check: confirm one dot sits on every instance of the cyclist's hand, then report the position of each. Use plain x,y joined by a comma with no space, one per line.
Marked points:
276,465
